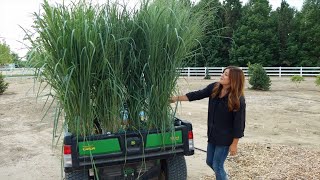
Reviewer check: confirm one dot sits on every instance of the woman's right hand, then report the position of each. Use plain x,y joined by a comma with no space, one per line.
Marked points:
173,99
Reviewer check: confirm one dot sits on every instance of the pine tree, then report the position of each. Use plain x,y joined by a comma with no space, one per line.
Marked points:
309,39
285,22
255,40
258,78
231,17
210,12
3,85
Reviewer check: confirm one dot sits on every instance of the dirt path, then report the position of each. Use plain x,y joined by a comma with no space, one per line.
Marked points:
282,137
25,143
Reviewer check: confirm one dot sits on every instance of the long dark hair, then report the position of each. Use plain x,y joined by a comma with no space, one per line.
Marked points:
236,89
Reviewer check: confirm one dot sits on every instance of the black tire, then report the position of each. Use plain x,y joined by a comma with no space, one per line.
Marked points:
174,169
77,175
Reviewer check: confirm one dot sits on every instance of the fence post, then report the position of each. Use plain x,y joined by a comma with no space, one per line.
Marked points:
188,71
280,71
301,71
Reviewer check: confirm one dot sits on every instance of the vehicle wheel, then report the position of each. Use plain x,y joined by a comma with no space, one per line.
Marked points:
174,169
77,175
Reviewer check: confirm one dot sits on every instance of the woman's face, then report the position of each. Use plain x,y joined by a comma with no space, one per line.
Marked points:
224,79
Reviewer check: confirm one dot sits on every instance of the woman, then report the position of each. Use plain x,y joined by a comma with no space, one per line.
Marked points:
226,116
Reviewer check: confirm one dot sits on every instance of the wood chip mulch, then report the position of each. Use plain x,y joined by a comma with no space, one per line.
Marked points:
270,161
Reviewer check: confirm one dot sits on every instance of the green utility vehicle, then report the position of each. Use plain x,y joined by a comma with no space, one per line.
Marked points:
130,155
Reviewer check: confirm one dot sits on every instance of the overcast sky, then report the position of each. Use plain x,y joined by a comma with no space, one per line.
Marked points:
16,13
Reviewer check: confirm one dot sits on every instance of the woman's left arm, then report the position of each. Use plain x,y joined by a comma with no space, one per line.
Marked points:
238,126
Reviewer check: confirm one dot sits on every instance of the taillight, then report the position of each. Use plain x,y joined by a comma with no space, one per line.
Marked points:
190,138
67,156
190,135
67,149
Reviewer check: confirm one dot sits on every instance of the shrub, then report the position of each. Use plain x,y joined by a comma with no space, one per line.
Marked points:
3,85
317,80
297,79
258,78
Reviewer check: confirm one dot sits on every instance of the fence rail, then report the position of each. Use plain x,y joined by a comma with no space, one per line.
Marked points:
198,71
271,71
9,72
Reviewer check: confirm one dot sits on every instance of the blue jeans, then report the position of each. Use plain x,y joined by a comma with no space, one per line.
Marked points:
216,155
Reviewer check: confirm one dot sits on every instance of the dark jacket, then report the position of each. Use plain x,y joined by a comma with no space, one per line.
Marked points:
223,125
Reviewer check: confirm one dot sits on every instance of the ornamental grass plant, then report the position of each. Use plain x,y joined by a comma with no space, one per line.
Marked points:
103,60
165,37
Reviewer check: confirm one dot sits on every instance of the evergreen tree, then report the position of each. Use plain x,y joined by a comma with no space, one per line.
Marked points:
293,47
231,17
258,78
3,85
209,12
285,15
310,33
17,60
253,33
255,40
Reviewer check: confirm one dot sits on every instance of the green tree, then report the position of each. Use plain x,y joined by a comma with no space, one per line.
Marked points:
209,13
15,57
258,78
5,55
255,40
3,85
231,16
17,60
284,15
310,33
293,47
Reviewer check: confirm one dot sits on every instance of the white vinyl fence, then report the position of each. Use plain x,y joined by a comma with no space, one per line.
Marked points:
12,72
197,71
271,71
